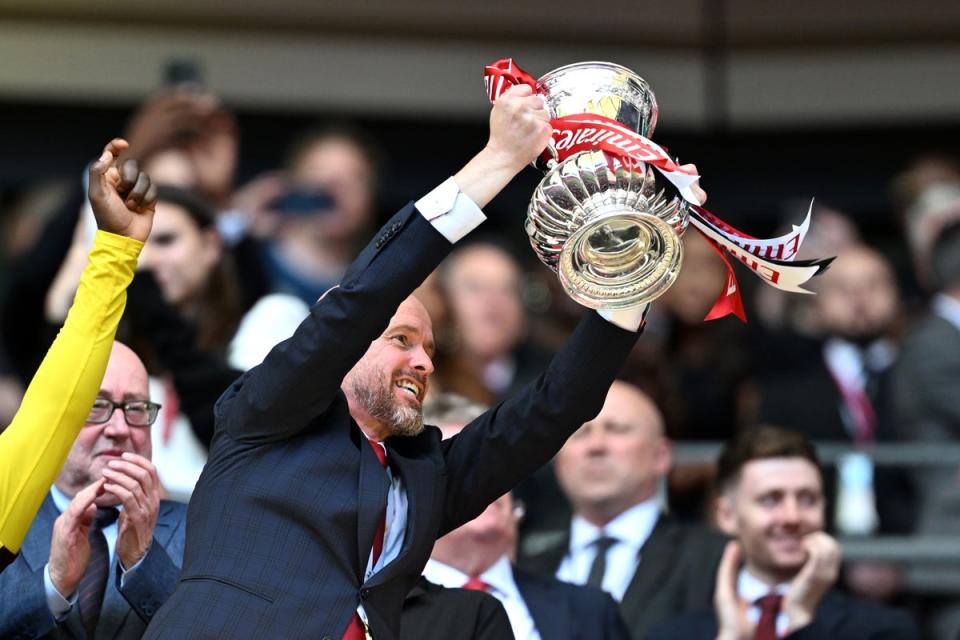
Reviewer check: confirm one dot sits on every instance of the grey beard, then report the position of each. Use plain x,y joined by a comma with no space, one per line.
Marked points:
379,402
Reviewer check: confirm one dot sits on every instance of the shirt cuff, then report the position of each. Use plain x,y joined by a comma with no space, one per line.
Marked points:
124,572
630,319
451,212
59,606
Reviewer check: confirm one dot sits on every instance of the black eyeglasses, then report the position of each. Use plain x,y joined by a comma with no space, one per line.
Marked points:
138,413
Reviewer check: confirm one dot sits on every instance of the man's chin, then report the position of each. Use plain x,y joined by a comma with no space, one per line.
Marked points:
107,500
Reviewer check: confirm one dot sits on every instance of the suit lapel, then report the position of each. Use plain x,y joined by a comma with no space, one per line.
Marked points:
372,500
418,477
656,556
548,609
36,546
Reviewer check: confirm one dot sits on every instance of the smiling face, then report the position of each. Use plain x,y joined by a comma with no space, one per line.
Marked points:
386,388
773,505
124,381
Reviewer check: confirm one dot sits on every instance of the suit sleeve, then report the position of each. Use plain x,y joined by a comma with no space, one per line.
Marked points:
882,625
152,582
300,377
23,602
506,444
56,403
930,372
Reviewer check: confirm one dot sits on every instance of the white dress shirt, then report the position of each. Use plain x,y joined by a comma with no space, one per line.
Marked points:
630,530
751,589
59,605
502,586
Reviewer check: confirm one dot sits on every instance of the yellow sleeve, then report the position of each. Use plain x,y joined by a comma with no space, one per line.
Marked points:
55,406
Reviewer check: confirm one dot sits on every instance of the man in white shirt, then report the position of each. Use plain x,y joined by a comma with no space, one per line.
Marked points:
771,500
478,556
619,540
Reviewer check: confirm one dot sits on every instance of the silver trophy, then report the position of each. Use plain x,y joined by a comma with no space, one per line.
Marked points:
610,228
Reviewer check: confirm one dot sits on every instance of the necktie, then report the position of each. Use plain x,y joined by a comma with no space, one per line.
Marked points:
599,566
355,630
475,584
94,581
767,625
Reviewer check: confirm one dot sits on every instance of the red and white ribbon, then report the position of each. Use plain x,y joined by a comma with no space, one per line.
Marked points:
770,259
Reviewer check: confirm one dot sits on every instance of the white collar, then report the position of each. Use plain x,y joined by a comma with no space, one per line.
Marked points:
848,362
632,527
499,576
751,588
948,308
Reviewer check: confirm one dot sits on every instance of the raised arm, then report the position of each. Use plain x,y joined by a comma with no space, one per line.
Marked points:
56,403
299,378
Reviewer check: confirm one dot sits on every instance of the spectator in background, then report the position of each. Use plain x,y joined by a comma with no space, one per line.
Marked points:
478,555
488,356
771,500
839,388
936,207
313,216
104,552
619,539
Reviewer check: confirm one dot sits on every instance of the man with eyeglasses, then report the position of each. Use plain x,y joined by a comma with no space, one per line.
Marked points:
104,552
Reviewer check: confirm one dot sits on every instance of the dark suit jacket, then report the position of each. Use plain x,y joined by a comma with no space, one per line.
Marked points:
283,517
839,617
928,410
24,612
677,571
563,611
431,611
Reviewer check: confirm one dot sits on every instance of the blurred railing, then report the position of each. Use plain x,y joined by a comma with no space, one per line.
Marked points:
931,563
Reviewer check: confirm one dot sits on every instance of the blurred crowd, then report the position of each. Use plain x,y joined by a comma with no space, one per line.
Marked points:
230,270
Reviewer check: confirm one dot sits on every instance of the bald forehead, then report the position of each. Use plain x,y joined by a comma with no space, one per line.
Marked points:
626,402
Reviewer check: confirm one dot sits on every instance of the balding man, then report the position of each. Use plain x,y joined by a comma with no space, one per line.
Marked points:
618,539
104,551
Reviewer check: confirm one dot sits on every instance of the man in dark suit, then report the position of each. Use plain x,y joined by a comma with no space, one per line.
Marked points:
771,501
432,611
618,538
477,556
323,492
104,551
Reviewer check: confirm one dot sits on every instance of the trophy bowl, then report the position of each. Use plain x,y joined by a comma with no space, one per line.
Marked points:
609,227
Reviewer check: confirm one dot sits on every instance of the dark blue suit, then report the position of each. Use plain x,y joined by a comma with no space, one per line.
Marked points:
838,617
564,611
283,517
24,612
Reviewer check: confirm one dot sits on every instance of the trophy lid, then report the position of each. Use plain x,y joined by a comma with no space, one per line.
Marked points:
603,88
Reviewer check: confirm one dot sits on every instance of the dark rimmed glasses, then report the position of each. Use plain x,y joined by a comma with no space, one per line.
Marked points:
137,413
